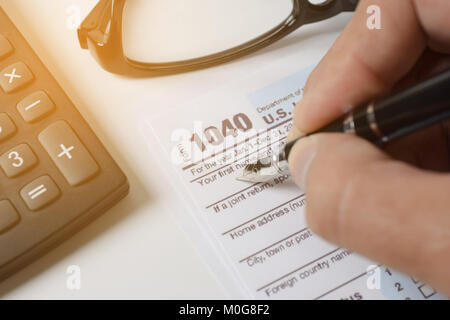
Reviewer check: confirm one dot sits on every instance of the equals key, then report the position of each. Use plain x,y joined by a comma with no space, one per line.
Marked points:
36,192
40,193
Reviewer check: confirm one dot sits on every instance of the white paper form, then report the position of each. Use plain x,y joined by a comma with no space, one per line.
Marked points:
258,231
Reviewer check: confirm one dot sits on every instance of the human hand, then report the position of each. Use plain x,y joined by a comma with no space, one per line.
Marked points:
360,197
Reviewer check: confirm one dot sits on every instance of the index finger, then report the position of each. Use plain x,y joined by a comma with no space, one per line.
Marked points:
362,64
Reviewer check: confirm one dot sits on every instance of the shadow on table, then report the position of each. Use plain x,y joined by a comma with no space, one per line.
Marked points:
136,199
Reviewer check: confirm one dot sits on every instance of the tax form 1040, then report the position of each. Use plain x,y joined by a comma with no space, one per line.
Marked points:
255,237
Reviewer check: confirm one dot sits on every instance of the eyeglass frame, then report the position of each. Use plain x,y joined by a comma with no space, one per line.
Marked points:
101,34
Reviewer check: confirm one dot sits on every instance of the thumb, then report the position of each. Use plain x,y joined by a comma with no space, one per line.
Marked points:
361,199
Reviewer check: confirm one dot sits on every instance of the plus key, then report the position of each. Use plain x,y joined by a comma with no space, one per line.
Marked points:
68,153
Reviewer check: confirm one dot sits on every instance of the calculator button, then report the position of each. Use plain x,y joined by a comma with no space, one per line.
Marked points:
35,106
15,77
40,193
7,127
8,216
5,47
17,160
68,153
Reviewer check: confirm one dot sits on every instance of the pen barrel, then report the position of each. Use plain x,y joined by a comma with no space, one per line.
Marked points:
406,111
414,107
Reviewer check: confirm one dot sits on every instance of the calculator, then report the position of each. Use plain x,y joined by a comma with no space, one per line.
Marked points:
55,174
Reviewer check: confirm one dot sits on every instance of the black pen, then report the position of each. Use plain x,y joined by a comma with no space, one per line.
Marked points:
380,121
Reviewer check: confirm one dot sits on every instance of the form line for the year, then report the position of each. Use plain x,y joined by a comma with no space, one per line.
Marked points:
229,164
234,146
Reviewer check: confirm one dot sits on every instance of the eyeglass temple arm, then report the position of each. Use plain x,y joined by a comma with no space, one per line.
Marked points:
318,12
95,23
349,5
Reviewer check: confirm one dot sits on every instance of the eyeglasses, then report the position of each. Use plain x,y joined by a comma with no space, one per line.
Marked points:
144,38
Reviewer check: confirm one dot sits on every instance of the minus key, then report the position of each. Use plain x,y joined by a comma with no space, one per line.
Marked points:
35,106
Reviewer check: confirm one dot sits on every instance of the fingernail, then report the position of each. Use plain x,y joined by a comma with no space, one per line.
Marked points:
300,159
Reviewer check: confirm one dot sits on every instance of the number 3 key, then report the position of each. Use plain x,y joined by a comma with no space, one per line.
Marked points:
17,160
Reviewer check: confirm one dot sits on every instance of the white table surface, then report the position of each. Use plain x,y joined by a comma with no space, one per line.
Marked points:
136,249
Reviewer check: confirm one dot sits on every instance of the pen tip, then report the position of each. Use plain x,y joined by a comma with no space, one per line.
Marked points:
246,174
252,171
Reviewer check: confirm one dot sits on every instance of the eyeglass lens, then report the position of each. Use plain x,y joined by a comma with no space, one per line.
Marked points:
158,31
